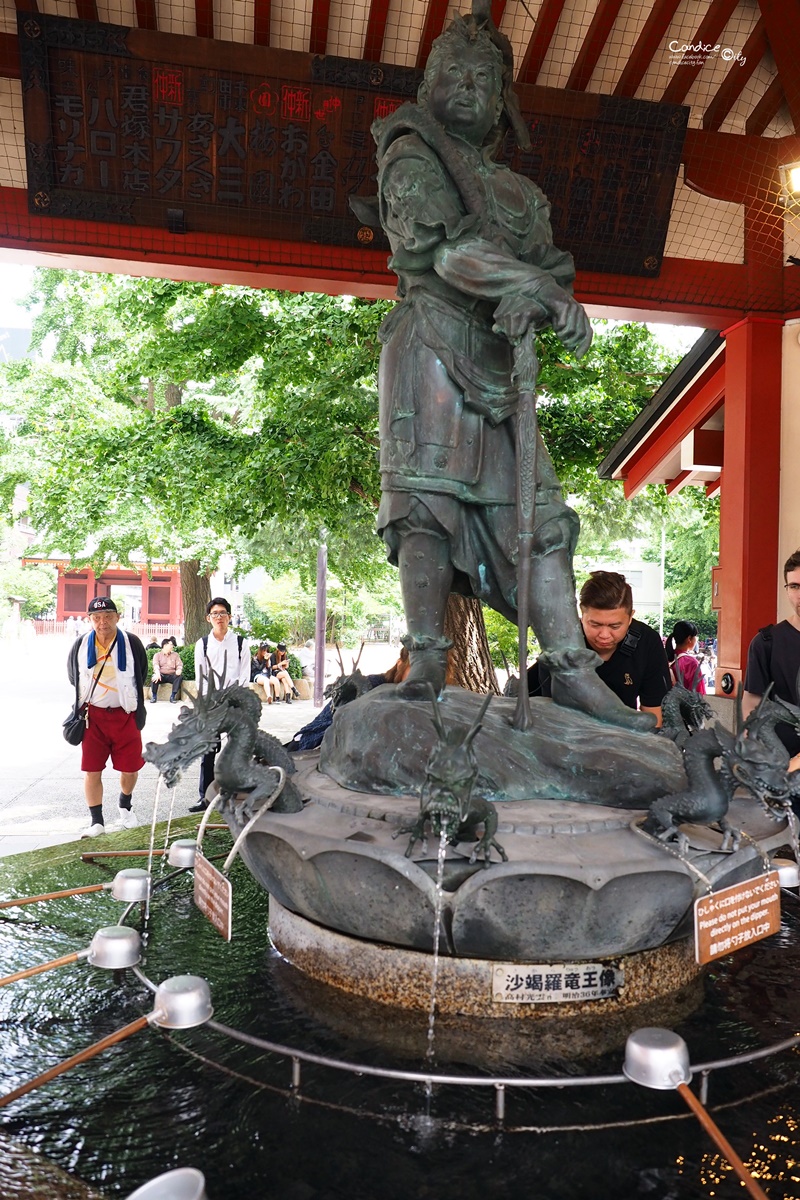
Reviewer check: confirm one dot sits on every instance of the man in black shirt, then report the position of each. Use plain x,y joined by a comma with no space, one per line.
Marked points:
634,664
774,657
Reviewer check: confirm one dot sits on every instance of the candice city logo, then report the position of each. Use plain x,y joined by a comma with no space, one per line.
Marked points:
695,54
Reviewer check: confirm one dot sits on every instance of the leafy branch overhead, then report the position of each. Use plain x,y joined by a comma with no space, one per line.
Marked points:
184,419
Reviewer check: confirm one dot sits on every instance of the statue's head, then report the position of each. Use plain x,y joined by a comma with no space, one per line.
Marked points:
471,55
463,84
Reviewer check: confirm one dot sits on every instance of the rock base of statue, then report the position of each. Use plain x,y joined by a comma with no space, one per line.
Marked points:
380,743
477,987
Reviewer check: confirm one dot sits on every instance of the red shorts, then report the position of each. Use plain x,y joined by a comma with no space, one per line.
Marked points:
111,731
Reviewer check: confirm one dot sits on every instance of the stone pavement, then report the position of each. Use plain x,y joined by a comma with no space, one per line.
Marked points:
41,785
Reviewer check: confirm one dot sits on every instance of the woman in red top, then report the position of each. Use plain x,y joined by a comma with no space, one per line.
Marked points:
684,666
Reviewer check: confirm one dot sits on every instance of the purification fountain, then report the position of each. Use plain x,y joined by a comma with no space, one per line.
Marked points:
537,861
570,894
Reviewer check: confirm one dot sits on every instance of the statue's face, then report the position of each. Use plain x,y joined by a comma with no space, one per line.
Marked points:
464,94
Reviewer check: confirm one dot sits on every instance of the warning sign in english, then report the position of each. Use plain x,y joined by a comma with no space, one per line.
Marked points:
737,916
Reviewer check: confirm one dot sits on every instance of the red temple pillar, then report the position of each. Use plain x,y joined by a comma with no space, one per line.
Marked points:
175,597
750,508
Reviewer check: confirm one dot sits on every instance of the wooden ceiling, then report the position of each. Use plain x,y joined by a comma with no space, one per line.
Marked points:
750,84
733,63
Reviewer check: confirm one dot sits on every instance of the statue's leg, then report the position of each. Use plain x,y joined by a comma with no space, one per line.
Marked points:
426,574
574,682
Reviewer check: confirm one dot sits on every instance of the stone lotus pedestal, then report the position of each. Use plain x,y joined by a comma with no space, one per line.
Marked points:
582,882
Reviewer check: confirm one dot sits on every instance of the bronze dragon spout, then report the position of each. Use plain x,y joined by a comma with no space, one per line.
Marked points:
718,762
447,804
242,769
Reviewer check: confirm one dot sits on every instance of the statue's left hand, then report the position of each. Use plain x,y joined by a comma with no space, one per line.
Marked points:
514,314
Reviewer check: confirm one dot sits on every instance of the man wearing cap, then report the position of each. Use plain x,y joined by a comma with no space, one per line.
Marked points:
109,667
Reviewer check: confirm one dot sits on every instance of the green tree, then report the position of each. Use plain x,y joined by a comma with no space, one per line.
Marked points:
193,442
219,417
691,527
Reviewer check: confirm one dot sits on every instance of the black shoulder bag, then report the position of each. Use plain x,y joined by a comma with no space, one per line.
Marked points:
74,727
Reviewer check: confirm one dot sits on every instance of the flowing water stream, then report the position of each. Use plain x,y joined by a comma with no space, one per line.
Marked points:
196,1098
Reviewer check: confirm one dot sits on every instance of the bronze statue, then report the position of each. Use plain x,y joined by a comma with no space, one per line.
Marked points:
478,272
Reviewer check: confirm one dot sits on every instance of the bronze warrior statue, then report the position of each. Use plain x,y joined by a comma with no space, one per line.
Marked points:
477,269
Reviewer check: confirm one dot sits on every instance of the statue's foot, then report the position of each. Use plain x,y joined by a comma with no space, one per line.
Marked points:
575,684
427,668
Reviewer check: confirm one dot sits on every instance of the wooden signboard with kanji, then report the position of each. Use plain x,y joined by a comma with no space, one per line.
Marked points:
197,135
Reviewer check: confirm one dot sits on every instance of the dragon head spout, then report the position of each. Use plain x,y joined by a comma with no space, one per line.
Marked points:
196,732
751,764
450,773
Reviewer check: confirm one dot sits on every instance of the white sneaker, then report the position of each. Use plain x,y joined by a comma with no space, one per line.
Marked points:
127,818
93,831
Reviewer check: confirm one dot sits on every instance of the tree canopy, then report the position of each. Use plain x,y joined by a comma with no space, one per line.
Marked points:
182,420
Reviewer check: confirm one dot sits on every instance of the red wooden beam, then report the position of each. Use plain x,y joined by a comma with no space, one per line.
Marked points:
204,18
730,167
732,85
9,56
146,14
708,449
702,398
540,41
766,108
783,34
434,23
376,30
262,14
87,10
156,253
649,40
596,37
318,38
708,33
498,8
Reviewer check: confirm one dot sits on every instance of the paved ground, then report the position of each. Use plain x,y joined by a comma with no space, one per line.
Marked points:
41,788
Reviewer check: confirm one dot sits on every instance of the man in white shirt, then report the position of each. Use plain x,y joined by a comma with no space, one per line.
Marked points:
227,654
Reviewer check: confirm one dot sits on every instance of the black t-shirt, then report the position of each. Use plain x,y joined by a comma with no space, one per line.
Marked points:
776,659
637,670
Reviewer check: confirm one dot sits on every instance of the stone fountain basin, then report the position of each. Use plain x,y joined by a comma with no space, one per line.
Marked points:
581,882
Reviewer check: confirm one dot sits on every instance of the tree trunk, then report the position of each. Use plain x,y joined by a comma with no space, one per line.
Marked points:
173,394
196,593
470,664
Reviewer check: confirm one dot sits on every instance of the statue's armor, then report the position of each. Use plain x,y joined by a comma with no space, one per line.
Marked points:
446,393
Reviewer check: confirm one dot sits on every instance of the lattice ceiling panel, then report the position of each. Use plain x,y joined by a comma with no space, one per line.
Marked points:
234,21
518,24
117,12
347,27
59,8
565,46
403,32
12,157
291,26
705,229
